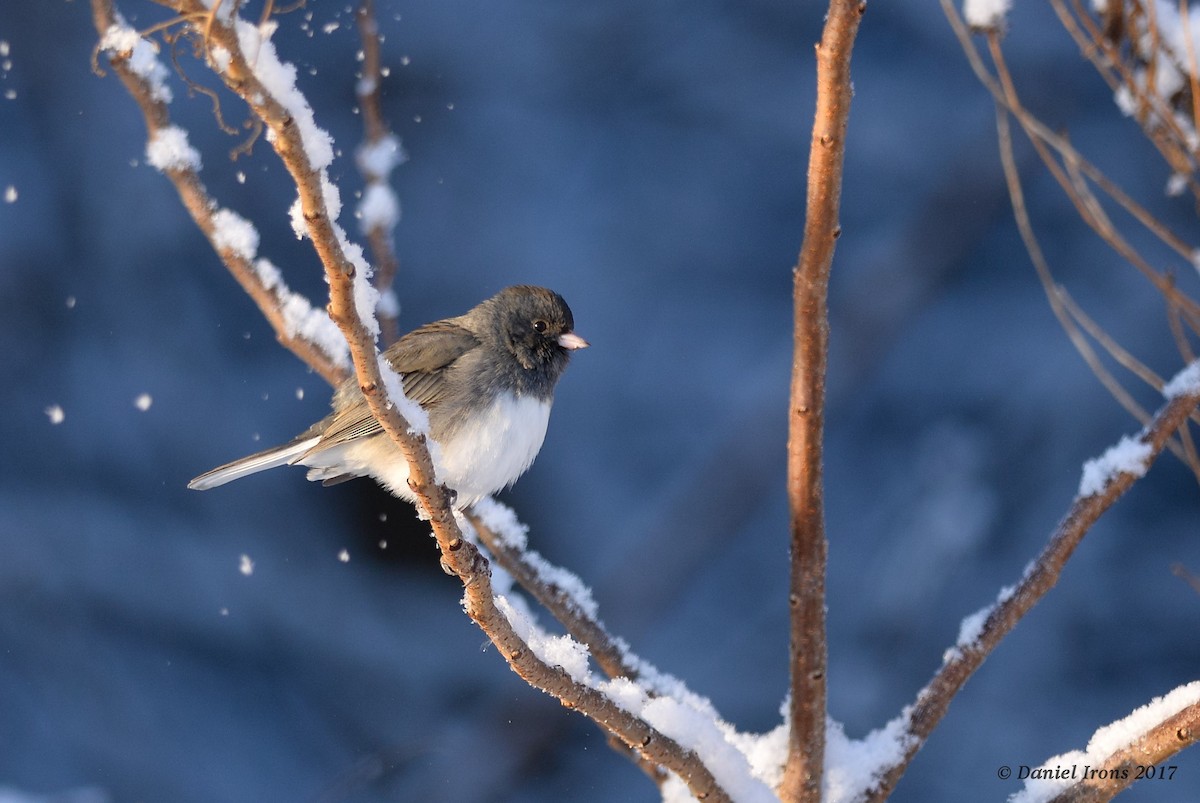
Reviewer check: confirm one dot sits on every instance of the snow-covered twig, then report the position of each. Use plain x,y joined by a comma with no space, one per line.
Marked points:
379,209
306,331
1104,482
558,591
1128,750
806,419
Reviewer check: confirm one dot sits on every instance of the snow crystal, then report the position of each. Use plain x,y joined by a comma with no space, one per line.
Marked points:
344,556
854,766
10,194
143,402
1105,742
1184,383
379,208
986,14
55,413
168,149
1129,456
233,232
245,565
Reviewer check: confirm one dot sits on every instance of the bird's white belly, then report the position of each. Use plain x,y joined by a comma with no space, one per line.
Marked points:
484,456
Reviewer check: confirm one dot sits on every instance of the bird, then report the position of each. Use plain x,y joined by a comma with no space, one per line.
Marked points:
486,379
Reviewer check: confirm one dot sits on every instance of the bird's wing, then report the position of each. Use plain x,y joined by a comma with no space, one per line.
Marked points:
421,358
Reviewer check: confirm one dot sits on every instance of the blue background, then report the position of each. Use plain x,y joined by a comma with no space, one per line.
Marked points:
648,162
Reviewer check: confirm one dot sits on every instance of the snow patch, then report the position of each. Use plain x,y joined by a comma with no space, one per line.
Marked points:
1129,456
168,149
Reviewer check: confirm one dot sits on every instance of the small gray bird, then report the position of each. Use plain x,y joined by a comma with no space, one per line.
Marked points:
486,379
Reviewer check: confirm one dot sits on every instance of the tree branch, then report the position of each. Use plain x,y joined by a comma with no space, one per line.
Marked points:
1119,770
536,576
806,740
379,154
273,297
998,620
345,269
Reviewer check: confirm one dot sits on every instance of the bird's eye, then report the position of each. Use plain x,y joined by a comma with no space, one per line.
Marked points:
540,326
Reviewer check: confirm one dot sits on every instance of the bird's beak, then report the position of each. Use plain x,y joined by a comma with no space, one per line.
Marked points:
572,341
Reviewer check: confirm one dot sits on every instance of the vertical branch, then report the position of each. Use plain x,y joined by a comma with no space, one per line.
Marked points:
806,740
379,153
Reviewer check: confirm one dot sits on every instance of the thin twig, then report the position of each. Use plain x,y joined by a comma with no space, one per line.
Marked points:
808,651
379,236
933,701
1148,752
609,653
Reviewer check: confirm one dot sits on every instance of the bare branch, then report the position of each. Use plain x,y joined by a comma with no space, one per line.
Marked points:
960,663
806,418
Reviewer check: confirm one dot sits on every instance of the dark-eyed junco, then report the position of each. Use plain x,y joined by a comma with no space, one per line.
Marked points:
486,379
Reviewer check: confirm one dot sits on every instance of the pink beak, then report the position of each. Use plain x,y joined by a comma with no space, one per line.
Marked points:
572,341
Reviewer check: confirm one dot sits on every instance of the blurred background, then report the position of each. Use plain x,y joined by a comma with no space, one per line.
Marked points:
648,162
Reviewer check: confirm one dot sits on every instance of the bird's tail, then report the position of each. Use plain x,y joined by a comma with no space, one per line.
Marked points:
284,455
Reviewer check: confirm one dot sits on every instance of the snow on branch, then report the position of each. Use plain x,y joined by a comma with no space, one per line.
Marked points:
986,15
307,332
379,209
981,632
745,768
1145,739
